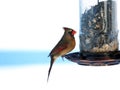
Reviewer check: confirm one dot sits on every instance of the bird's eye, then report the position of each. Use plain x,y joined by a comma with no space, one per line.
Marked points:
70,32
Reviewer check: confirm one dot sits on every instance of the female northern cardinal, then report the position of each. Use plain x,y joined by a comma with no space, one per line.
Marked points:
65,45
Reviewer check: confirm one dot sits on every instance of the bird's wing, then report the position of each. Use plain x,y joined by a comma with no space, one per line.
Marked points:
58,48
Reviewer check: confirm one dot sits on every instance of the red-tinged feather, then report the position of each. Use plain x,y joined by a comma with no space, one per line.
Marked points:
58,49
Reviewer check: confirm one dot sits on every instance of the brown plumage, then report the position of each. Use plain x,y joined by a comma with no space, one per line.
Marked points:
65,45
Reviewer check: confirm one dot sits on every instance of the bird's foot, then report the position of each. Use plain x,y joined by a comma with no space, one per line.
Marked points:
63,57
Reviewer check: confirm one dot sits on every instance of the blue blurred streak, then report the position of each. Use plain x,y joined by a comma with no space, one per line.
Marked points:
22,57
8,58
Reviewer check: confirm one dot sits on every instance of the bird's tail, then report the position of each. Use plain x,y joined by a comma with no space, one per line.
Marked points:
51,64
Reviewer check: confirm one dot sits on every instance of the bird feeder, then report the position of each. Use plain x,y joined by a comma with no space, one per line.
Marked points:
99,44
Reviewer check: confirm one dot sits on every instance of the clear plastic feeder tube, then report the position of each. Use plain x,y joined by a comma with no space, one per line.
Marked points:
99,38
98,26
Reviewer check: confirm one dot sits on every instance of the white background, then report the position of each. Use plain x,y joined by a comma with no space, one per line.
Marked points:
37,24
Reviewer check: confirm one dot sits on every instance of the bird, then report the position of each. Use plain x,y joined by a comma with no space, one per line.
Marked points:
65,45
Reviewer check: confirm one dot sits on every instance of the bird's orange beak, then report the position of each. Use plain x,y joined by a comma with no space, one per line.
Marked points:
73,32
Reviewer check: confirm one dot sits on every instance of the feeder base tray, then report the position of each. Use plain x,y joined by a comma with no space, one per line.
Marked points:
95,59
